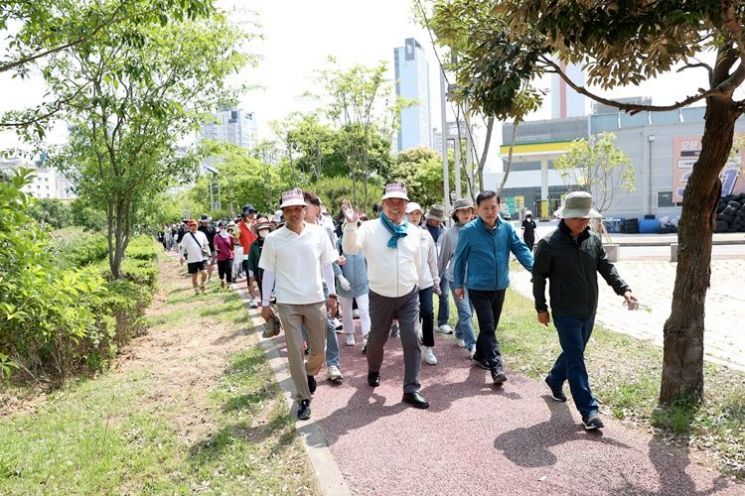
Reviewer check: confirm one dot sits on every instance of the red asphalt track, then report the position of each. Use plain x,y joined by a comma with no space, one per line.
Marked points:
479,440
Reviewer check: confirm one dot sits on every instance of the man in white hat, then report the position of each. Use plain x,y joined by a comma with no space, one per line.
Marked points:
296,260
570,257
393,250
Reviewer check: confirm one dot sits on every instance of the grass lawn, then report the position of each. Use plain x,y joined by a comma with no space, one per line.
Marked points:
194,409
625,374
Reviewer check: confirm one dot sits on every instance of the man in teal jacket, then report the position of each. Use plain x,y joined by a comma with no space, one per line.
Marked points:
482,258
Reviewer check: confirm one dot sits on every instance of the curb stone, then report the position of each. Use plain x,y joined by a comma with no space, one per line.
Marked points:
327,472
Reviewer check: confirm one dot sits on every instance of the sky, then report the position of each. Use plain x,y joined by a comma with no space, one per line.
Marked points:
298,36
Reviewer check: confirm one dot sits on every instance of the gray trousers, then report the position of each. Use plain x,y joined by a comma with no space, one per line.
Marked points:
382,312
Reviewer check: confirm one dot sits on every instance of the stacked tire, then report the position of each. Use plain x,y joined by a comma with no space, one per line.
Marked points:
731,214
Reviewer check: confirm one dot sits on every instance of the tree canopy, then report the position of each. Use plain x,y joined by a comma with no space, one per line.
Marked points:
512,42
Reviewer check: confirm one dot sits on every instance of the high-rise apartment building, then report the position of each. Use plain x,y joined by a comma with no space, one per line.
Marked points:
565,102
412,82
234,126
46,182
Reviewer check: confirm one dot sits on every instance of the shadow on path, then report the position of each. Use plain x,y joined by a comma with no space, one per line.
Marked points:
670,463
529,447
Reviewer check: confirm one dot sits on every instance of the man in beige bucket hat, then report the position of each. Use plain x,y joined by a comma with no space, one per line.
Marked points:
570,257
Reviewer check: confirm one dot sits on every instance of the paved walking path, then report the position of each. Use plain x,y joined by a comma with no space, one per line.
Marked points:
476,439
652,283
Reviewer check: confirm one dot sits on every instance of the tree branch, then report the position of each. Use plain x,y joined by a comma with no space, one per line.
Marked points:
636,108
30,58
56,107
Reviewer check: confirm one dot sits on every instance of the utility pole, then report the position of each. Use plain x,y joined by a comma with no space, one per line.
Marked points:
445,136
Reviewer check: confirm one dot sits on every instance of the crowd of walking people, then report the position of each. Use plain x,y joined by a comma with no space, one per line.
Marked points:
311,277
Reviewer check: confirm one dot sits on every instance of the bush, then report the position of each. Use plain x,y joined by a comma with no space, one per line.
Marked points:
127,301
51,318
51,212
83,249
58,314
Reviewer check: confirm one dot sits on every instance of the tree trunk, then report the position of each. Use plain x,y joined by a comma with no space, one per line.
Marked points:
682,371
485,152
508,165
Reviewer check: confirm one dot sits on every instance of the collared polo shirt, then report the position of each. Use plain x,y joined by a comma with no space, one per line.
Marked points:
296,260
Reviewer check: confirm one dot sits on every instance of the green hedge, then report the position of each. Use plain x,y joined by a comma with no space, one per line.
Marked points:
58,312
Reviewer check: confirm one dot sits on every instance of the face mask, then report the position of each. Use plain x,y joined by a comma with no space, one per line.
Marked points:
263,233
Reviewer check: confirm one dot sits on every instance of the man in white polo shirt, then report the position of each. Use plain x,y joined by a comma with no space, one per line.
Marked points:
392,248
296,260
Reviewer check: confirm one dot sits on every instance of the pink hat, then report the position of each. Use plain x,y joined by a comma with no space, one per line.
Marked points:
395,190
293,198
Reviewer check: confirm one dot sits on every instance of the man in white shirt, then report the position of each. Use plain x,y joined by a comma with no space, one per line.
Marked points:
392,248
296,260
194,249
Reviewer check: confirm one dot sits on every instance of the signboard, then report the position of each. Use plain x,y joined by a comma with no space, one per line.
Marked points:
685,153
514,204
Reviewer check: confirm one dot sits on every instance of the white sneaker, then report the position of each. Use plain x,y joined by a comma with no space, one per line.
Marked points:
428,355
472,350
363,348
337,325
350,340
355,314
461,343
333,373
253,304
445,329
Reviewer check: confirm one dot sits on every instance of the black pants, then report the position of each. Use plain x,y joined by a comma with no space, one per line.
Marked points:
488,306
427,316
225,270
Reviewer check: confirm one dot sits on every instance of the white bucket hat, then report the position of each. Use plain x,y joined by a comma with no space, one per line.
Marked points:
578,205
395,190
293,198
413,207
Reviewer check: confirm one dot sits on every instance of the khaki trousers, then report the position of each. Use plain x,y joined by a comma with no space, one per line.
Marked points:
292,318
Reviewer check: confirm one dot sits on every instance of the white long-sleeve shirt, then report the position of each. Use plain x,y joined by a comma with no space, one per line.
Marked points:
428,274
192,248
392,272
300,263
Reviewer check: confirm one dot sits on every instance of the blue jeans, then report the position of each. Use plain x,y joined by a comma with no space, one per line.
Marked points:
464,326
570,365
443,312
427,316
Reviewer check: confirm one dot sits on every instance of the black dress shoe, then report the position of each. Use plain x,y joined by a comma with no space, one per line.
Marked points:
303,411
312,384
416,400
373,379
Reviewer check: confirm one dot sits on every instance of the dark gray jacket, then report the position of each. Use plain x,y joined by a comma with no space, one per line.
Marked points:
571,266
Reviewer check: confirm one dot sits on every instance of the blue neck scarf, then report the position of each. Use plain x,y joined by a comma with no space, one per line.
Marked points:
397,230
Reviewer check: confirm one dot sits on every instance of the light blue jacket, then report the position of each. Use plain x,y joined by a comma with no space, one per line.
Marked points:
355,271
482,255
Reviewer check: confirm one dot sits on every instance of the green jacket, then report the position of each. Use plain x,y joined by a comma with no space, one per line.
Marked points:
572,266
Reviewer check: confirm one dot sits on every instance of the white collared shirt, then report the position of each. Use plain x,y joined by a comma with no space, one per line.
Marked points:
296,260
392,272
